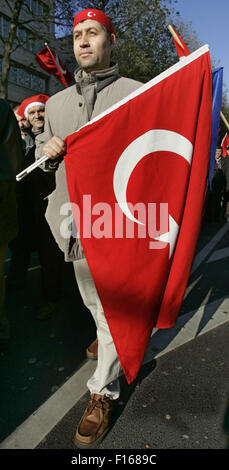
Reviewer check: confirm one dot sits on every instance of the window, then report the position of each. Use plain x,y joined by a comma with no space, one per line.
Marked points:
42,84
40,9
24,36
6,27
27,80
39,46
27,3
33,7
35,83
21,33
13,74
23,77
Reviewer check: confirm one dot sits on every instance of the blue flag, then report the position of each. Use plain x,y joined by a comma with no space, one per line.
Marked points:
217,86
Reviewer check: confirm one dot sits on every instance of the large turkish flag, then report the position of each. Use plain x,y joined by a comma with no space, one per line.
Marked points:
151,150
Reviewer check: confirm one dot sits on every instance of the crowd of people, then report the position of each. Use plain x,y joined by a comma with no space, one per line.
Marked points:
218,194
34,232
25,205
44,123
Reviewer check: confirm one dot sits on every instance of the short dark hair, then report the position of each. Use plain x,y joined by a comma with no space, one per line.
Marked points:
105,29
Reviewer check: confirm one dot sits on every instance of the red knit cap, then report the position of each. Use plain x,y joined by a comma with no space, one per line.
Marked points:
92,14
37,100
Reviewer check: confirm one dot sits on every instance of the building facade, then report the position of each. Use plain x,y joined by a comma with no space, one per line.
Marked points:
26,78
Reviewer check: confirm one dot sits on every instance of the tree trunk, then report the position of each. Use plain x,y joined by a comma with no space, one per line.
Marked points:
7,50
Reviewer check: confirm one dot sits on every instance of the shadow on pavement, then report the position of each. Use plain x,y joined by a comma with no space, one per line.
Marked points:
127,390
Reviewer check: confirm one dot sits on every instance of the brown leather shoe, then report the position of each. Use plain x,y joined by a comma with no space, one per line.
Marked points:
92,350
95,422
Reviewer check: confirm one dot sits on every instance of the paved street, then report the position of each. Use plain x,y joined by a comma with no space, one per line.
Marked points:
180,399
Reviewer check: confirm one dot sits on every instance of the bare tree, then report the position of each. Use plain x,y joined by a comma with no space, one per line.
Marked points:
57,13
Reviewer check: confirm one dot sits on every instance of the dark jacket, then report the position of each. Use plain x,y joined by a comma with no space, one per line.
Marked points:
225,169
38,184
218,179
11,162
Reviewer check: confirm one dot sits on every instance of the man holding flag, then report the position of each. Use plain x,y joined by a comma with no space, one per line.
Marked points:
98,86
152,146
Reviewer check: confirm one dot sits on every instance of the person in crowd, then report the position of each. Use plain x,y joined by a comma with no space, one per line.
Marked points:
34,231
225,169
20,246
98,86
217,188
11,162
26,131
23,123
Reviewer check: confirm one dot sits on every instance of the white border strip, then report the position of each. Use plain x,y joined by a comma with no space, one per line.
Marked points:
170,71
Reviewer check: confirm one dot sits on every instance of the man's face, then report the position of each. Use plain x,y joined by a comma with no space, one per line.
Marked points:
36,117
218,154
92,47
23,123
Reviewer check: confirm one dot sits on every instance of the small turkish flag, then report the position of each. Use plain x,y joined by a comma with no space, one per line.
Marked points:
180,45
51,63
137,178
225,144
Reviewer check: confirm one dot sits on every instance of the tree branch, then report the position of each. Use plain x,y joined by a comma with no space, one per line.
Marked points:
9,6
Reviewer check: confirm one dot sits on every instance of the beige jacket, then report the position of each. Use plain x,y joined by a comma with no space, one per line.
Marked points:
65,113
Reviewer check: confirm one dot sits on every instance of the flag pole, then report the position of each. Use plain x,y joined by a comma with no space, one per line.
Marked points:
32,167
46,45
224,120
170,28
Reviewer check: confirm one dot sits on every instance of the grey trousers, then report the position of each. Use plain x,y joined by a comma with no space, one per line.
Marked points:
105,378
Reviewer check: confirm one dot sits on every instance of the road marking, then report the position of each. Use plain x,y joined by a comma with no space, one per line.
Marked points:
42,421
191,286
219,254
188,327
30,433
200,257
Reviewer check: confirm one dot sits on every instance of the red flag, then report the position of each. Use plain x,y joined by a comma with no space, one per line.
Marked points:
180,45
224,144
51,63
151,149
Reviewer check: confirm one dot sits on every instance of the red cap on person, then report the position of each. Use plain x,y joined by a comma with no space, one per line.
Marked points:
93,14
37,100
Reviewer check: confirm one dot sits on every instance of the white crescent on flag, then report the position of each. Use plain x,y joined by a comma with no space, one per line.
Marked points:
155,140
